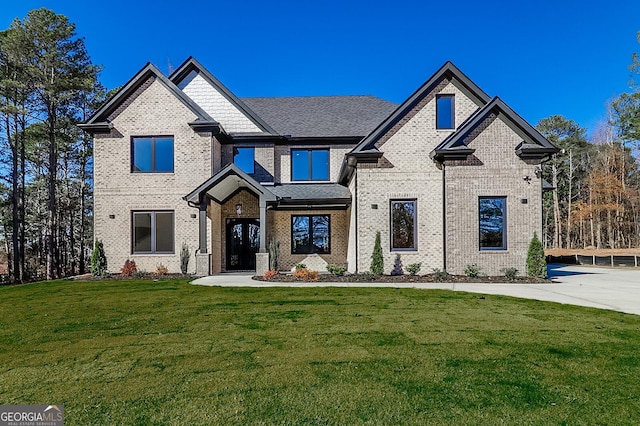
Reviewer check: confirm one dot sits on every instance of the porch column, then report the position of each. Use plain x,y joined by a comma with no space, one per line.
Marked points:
202,235
263,225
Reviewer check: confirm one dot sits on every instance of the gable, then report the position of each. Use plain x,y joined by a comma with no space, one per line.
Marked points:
529,143
102,120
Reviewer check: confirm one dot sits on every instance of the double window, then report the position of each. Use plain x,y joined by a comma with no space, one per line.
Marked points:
309,164
445,112
153,232
404,225
493,223
310,234
244,158
152,154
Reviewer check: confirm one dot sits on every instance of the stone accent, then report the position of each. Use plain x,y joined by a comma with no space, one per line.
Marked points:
203,265
216,105
153,111
262,263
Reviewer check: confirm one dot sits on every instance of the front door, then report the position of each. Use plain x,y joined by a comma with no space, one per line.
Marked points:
243,242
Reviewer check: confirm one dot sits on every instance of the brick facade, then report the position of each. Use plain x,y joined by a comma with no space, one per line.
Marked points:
118,192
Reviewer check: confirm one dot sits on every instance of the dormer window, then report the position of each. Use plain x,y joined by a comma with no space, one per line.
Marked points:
309,164
445,112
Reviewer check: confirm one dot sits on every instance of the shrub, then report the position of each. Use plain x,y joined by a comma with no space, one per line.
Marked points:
300,266
139,274
184,258
366,276
336,269
128,268
510,273
271,273
472,270
98,260
377,262
274,254
397,266
306,275
414,268
536,263
161,270
439,275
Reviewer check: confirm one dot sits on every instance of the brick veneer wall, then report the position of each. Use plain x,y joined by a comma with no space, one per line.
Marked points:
497,171
279,227
153,111
407,172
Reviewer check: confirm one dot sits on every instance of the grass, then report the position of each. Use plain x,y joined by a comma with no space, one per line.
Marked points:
143,352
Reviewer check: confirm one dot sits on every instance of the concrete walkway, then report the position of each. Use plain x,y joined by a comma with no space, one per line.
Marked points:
605,288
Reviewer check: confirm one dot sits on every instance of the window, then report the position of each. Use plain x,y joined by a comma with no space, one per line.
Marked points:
310,234
244,158
493,223
309,164
153,232
403,225
152,155
445,112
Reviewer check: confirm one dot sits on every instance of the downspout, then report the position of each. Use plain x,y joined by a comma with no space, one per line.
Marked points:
444,219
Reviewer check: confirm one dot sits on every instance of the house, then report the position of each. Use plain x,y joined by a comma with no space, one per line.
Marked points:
450,177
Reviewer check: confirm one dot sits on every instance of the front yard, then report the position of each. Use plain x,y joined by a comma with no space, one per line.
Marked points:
167,352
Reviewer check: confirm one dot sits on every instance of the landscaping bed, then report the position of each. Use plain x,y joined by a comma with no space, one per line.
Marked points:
406,278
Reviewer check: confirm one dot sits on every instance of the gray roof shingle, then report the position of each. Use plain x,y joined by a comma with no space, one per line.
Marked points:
322,116
311,191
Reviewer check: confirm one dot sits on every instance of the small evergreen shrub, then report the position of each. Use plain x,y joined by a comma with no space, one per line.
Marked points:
184,258
439,275
139,274
271,273
300,266
472,270
414,268
98,260
367,276
510,273
336,269
397,266
377,262
128,269
536,263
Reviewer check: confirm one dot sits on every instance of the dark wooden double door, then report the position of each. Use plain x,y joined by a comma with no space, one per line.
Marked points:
243,242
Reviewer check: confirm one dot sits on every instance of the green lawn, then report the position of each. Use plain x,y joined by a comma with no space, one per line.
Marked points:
143,352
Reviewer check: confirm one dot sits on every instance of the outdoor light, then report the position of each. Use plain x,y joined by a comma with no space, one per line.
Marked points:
538,171
239,209
112,216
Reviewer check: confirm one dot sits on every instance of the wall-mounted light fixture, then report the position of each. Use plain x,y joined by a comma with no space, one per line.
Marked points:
239,209
193,215
112,216
538,171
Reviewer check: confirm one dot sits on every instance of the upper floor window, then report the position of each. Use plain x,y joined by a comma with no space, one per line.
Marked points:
309,164
153,232
445,112
493,223
403,225
152,154
244,158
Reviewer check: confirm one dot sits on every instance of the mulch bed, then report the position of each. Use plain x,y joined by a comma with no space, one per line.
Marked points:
430,278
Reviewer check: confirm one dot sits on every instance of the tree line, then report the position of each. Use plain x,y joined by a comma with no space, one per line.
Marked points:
595,202
48,85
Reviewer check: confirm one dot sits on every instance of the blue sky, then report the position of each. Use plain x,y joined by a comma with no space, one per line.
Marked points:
541,57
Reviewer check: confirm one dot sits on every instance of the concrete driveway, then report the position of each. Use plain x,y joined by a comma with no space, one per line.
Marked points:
617,289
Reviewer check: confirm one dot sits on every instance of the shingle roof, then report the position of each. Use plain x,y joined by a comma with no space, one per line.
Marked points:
311,191
322,116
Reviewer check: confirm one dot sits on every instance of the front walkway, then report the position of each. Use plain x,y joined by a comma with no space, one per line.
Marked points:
605,288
